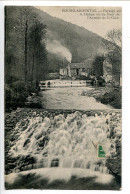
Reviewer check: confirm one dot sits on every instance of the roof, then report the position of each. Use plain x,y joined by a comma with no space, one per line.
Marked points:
86,64
77,65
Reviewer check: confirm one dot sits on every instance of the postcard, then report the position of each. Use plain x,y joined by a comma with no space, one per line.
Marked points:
63,86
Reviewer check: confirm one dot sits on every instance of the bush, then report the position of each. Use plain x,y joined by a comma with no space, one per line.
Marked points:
19,89
10,79
8,93
101,81
15,95
112,97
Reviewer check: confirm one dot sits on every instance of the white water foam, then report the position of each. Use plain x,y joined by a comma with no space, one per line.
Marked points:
66,142
63,174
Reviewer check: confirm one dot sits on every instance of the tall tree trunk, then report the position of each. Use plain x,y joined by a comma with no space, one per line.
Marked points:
25,52
37,68
32,72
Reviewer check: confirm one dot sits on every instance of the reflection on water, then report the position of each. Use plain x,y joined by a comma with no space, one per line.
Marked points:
69,98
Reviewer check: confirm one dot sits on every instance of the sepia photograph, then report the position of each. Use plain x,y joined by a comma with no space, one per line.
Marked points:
63,97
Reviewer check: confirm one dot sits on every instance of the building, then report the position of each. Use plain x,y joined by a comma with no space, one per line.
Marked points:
74,70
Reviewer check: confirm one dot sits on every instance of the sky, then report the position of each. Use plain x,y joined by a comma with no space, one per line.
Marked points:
107,18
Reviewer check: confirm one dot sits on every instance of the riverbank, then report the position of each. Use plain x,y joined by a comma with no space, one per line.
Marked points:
80,98
107,95
32,101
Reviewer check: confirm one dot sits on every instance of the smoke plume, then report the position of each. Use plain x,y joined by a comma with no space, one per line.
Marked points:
55,47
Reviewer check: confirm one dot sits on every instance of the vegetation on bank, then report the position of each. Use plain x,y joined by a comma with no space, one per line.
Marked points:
20,96
106,95
25,55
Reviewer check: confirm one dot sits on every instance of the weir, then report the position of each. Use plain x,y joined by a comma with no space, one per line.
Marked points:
62,83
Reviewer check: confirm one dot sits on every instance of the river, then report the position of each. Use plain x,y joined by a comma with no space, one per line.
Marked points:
70,98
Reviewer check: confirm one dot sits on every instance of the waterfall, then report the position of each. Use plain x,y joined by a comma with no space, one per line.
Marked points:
64,141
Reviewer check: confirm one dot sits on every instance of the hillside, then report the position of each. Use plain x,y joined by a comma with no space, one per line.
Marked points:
82,43
64,40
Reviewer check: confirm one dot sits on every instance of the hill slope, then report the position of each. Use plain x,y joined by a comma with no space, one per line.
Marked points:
81,42
64,40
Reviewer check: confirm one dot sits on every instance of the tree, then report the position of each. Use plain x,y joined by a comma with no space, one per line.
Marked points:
37,49
98,65
113,45
18,21
115,36
25,48
24,55
113,42
25,51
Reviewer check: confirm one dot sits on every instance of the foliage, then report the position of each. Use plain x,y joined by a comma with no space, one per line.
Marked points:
19,89
98,65
20,43
115,36
111,97
114,50
114,45
15,91
38,54
8,92
25,53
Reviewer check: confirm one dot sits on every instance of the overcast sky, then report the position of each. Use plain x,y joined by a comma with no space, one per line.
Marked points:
98,26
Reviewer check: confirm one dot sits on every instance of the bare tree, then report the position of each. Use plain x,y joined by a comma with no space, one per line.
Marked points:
115,36
113,45
113,42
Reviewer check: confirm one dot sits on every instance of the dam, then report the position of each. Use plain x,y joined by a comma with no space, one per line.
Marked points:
62,83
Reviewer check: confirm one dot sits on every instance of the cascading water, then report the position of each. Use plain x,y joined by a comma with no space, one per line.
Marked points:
65,141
